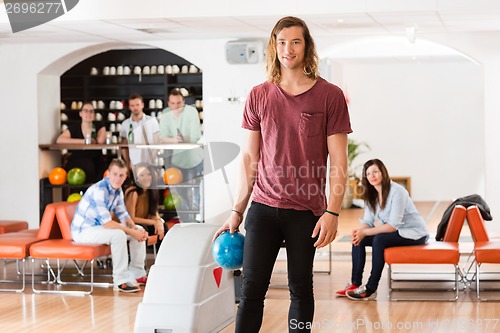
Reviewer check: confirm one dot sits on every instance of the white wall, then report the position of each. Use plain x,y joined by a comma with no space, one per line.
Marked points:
20,89
423,119
482,48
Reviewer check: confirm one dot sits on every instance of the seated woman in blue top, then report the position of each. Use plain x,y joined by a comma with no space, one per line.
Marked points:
390,219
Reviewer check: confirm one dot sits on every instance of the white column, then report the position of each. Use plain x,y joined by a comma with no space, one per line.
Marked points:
492,132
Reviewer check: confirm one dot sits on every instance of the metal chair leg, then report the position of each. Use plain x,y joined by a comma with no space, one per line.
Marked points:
23,274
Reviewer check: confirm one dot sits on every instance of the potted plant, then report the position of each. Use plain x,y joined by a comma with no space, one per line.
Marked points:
354,149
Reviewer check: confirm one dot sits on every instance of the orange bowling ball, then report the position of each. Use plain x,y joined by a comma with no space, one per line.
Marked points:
172,176
106,173
57,176
166,192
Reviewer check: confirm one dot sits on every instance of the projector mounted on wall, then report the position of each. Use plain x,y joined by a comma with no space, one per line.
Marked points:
244,52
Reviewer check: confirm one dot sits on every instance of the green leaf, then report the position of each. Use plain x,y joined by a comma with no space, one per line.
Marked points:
354,149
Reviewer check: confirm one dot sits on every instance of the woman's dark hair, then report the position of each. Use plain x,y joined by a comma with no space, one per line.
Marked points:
152,192
370,194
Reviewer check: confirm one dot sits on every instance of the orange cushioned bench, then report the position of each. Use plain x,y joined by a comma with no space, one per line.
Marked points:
66,249
12,226
444,253
16,248
16,245
486,250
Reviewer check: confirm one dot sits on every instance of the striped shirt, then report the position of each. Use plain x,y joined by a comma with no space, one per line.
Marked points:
96,205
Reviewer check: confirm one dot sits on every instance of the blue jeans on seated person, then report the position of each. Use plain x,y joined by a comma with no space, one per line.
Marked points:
378,243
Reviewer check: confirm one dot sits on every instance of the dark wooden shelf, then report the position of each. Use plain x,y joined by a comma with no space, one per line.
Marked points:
77,84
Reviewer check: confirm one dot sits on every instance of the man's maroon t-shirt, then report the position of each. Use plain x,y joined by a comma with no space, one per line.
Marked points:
291,172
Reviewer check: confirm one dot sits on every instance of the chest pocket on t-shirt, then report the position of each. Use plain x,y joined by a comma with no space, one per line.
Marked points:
310,124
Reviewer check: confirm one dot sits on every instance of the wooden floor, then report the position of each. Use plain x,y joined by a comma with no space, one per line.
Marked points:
109,311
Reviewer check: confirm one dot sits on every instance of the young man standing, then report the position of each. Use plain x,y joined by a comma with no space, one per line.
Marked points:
180,123
145,131
92,223
295,121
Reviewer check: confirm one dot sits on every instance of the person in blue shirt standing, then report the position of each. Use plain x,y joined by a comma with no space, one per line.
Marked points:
92,223
398,224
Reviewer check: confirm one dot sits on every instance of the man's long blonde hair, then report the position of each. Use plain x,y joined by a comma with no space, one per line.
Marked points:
273,66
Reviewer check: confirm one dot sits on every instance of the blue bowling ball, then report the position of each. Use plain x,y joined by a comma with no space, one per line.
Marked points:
227,250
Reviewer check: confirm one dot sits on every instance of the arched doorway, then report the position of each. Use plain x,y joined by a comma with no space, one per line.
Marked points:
86,80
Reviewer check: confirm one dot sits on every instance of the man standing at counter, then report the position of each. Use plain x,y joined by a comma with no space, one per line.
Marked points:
180,123
142,130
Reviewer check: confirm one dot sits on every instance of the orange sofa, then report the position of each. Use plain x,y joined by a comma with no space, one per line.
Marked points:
12,226
486,250
444,253
16,245
65,248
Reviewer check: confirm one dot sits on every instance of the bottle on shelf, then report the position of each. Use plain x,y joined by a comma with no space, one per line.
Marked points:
131,134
